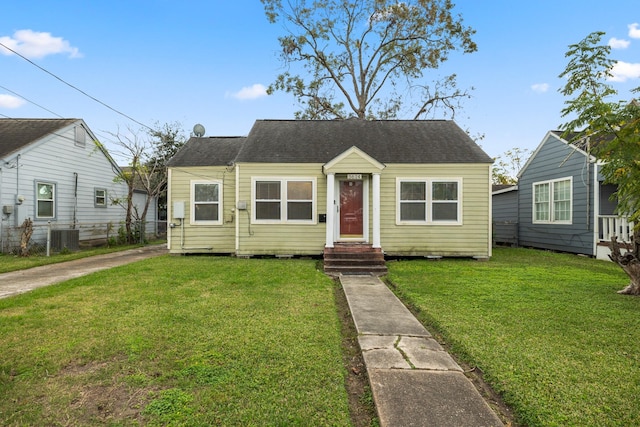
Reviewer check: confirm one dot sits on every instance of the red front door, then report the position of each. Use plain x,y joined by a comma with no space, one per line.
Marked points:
351,196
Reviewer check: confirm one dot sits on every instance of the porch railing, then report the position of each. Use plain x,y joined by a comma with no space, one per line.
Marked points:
612,225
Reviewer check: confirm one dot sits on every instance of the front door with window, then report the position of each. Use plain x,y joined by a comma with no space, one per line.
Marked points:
351,209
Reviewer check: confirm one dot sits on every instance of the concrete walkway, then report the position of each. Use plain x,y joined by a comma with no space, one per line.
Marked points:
17,282
413,380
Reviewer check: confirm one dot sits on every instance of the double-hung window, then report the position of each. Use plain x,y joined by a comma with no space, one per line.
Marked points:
552,201
444,201
45,200
206,202
412,201
100,198
428,201
284,200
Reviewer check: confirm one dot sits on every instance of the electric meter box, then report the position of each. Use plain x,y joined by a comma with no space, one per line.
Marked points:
178,210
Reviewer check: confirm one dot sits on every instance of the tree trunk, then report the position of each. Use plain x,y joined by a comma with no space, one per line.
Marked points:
629,262
27,231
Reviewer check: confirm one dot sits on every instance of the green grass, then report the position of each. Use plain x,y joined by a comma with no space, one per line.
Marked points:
192,341
547,330
9,262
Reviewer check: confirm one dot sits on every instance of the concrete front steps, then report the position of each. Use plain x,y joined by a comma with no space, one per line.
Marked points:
354,258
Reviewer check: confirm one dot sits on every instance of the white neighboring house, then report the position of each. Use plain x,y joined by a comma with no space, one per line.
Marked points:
54,171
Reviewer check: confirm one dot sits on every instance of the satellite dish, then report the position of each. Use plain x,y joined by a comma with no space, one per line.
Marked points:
198,130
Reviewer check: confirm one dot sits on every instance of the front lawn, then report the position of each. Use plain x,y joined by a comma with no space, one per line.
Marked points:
547,330
192,341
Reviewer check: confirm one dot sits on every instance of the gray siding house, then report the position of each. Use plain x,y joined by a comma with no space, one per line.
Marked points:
54,172
562,203
505,214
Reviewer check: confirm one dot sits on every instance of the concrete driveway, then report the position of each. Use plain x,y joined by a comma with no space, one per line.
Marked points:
18,282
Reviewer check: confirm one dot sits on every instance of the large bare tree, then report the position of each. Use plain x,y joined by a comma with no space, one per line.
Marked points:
369,58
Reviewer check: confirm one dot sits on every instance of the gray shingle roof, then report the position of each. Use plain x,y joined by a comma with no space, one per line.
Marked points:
209,151
18,133
388,141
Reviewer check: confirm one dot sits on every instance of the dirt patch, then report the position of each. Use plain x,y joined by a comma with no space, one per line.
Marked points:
91,401
361,406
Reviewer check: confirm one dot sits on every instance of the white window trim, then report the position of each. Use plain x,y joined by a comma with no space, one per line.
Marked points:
95,198
552,219
429,202
54,201
283,200
192,203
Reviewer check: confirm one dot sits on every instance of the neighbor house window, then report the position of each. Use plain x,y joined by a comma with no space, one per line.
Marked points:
80,136
206,205
284,200
45,200
100,198
428,201
552,201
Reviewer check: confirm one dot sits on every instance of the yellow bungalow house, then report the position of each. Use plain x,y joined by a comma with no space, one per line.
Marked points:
295,187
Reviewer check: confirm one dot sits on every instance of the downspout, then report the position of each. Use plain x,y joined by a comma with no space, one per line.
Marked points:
596,210
169,209
237,245
18,176
75,200
490,246
16,201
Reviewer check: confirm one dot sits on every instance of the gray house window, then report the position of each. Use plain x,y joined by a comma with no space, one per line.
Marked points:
45,200
100,198
552,201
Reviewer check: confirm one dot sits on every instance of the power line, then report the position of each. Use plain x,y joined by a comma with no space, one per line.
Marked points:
76,88
28,100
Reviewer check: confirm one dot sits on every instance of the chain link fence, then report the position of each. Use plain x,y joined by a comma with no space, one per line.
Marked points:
44,239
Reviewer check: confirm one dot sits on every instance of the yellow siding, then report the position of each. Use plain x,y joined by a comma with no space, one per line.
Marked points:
472,238
188,238
281,239
354,163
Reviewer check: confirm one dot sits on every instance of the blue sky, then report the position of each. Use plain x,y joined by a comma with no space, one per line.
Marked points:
208,62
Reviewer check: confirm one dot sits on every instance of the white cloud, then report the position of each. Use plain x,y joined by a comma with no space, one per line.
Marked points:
250,92
615,43
34,44
634,31
623,71
8,101
540,87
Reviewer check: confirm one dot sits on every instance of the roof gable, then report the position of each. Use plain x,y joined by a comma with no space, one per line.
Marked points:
16,134
353,160
550,137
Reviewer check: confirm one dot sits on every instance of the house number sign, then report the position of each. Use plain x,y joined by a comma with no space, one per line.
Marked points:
354,176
